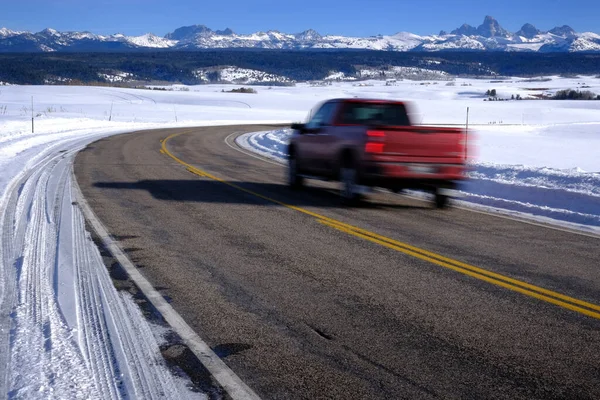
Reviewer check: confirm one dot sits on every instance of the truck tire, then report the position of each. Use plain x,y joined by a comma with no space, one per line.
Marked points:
441,199
295,180
349,179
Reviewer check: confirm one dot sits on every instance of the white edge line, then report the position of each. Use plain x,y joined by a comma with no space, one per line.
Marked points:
523,219
230,382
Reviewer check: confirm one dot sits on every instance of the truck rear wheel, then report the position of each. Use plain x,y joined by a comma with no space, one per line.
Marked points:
349,178
441,199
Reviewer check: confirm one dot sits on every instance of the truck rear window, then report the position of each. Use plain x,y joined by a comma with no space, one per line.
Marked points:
383,114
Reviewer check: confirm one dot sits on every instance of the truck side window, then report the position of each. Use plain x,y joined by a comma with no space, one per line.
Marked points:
323,116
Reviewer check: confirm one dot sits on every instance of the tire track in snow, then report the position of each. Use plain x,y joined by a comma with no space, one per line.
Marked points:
72,334
93,336
7,278
46,359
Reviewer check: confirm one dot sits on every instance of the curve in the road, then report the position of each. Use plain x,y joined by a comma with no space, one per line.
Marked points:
304,298
561,300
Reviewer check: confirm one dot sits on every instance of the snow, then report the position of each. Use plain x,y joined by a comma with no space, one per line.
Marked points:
117,76
46,49
4,32
51,32
152,41
525,46
402,41
85,35
452,42
413,73
247,76
72,335
395,72
65,332
585,44
334,76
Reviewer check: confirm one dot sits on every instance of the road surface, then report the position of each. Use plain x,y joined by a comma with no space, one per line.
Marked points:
305,298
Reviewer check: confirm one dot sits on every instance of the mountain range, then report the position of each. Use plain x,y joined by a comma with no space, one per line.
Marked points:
489,36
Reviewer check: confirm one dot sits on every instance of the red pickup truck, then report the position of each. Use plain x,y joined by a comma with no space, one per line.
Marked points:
372,143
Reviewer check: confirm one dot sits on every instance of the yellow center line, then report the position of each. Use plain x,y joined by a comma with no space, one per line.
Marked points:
571,303
437,257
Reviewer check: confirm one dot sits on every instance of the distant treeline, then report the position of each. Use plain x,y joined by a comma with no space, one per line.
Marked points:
175,66
570,94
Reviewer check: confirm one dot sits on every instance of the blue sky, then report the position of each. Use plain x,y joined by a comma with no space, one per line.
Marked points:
349,17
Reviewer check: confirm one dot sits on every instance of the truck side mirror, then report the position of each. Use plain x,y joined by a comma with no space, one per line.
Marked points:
298,127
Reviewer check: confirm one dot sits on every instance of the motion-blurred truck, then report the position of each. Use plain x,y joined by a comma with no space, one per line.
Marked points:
367,143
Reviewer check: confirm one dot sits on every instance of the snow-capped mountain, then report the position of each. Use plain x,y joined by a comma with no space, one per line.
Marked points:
50,40
489,36
4,33
150,40
492,37
528,31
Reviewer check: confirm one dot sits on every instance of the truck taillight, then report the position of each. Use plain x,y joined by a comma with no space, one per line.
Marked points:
374,147
375,141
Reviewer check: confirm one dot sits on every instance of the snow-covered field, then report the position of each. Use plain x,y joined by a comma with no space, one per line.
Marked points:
65,332
241,76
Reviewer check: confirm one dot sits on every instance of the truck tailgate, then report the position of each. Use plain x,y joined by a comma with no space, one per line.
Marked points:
423,143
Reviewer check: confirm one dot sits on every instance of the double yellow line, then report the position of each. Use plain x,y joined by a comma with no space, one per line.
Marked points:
549,296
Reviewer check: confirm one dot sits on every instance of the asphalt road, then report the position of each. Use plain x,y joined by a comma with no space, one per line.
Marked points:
312,300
